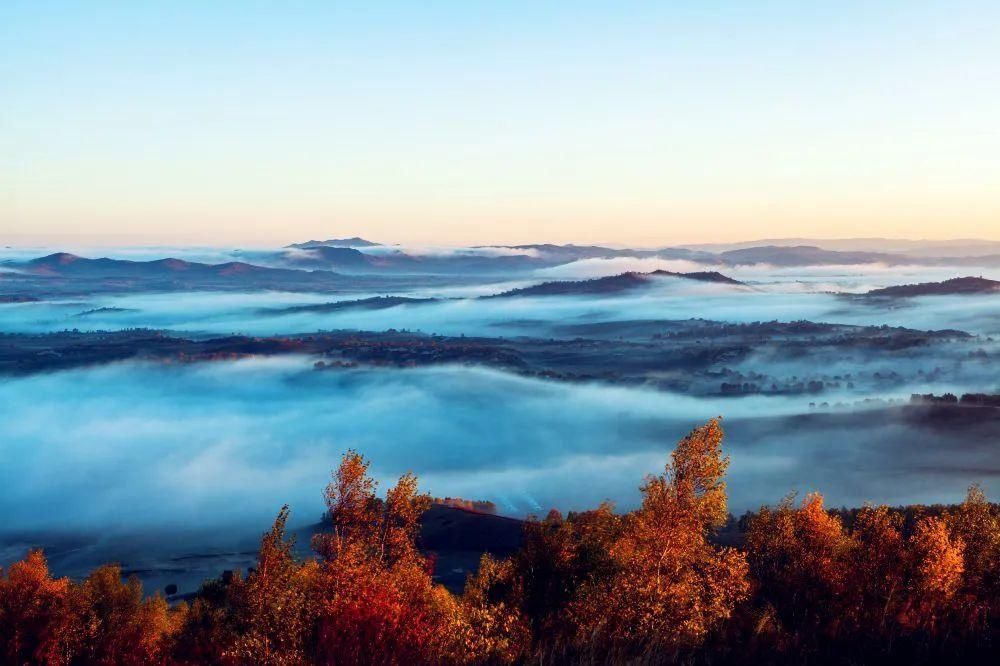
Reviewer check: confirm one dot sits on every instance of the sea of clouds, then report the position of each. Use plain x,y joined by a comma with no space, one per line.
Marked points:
462,312
133,446
130,445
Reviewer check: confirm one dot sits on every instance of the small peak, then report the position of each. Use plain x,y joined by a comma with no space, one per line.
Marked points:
60,258
173,263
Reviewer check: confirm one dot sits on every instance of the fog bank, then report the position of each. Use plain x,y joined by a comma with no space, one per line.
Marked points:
223,445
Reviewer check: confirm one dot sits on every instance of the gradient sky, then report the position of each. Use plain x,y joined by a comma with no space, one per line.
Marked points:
483,122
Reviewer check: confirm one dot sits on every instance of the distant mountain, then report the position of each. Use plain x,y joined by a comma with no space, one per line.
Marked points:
966,248
804,255
983,260
335,242
336,258
611,284
561,254
786,252
469,261
63,264
173,273
954,286
569,252
352,260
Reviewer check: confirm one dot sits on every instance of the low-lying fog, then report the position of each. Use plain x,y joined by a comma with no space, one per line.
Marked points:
783,296
224,444
134,447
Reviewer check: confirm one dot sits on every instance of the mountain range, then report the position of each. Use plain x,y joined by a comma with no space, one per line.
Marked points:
337,256
168,273
335,242
316,265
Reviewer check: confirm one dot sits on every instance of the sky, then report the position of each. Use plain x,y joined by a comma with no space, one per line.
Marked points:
456,122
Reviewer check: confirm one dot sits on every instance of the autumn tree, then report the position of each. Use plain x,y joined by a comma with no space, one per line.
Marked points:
385,530
877,569
376,602
800,558
399,523
938,566
976,522
209,629
494,628
38,621
352,506
559,557
121,626
273,611
671,585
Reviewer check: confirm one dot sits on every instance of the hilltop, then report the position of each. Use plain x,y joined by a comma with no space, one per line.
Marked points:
952,287
355,241
612,284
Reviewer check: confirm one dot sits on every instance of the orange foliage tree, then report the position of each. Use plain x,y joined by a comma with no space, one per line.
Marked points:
877,575
597,582
272,605
670,585
976,523
103,620
38,623
119,625
938,566
375,598
800,559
